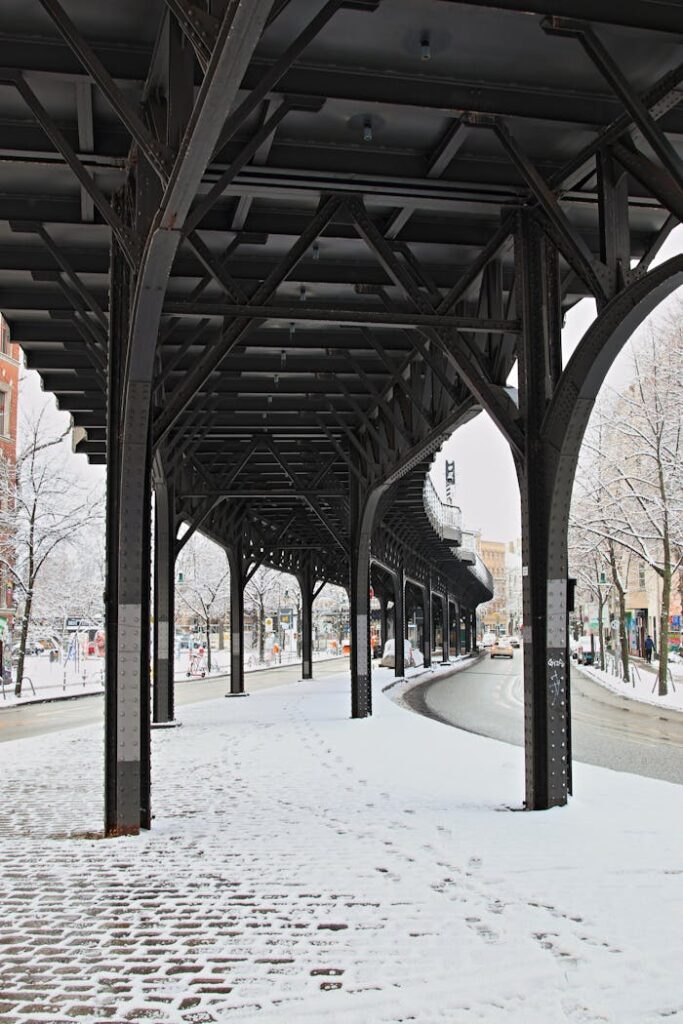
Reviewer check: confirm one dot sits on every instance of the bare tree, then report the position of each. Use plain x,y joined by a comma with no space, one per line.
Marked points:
203,591
44,508
589,565
639,453
259,595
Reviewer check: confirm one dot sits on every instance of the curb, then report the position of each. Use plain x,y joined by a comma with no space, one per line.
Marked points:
424,677
52,700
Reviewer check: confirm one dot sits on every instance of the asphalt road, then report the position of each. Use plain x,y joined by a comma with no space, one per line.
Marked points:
607,729
38,719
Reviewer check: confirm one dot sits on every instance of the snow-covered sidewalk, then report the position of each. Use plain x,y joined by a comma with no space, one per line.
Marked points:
643,685
306,867
46,680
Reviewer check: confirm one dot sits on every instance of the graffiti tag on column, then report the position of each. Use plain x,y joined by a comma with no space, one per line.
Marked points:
556,680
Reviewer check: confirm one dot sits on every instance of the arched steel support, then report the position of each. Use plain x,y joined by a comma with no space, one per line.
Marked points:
554,432
363,510
546,725
128,776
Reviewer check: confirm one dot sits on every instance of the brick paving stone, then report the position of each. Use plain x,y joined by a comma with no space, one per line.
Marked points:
255,895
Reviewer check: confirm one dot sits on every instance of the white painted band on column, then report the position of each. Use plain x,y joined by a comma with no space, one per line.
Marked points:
128,683
363,648
162,638
556,622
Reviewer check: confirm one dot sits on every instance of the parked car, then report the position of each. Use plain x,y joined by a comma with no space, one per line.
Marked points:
584,652
514,641
502,650
412,657
488,639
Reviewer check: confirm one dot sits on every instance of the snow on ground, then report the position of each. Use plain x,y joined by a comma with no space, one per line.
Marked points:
643,685
220,661
46,680
304,867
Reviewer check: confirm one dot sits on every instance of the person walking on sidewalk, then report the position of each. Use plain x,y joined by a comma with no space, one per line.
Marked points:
649,648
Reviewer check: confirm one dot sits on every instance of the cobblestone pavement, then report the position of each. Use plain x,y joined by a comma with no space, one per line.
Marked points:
281,882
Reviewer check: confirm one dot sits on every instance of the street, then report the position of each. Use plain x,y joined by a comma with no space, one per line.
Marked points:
607,730
51,716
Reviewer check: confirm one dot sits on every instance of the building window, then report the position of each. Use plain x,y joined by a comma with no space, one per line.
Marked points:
5,343
4,412
641,576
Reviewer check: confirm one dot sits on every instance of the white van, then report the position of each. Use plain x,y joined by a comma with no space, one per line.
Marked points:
584,652
488,639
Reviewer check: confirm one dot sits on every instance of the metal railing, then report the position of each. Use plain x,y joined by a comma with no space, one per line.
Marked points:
445,519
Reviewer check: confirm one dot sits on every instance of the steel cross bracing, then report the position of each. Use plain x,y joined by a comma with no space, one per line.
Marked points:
270,255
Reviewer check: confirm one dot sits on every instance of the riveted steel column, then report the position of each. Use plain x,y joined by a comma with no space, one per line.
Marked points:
236,563
399,624
359,597
133,805
427,624
473,631
164,602
119,310
455,627
546,670
306,584
384,617
362,516
446,641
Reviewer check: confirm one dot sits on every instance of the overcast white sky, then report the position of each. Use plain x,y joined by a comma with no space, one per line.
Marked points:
486,488
486,483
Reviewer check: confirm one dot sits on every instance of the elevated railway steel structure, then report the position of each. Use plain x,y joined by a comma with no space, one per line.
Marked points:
271,253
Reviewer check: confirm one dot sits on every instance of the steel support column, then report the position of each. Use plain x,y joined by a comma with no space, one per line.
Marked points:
399,623
455,627
362,518
119,309
306,585
427,624
383,617
164,600
545,600
236,563
446,641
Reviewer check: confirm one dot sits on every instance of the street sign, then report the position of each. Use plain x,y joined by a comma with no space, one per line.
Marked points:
269,624
286,618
